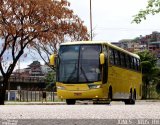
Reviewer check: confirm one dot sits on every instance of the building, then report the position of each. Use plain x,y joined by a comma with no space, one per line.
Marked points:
149,42
116,44
35,69
131,45
32,77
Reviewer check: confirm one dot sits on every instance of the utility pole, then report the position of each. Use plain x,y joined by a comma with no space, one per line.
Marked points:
91,19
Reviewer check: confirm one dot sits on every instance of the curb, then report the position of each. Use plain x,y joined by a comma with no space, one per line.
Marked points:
35,103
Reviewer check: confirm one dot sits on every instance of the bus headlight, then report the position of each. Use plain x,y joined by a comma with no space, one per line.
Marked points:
94,86
60,87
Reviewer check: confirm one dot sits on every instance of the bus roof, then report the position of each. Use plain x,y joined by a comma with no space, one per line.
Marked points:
101,42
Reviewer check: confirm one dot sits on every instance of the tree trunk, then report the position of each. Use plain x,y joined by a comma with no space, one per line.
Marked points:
146,91
2,95
147,87
3,88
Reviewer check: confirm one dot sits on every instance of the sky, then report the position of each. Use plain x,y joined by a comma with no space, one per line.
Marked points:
112,18
111,21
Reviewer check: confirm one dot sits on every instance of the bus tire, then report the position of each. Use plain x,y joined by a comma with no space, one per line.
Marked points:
131,100
135,94
70,101
110,93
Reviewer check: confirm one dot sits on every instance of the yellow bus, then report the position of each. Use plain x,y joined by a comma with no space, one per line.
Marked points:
98,71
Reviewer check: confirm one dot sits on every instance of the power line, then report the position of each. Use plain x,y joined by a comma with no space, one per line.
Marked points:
126,29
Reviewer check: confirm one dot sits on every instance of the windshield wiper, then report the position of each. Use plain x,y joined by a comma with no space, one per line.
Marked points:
83,72
71,78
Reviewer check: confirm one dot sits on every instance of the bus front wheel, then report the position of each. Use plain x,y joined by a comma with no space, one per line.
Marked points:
70,101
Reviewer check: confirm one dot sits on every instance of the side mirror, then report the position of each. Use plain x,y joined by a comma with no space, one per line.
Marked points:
102,58
52,59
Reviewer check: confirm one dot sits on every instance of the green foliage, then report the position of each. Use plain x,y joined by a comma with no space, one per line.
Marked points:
148,63
50,80
153,8
151,73
149,69
148,56
158,88
158,82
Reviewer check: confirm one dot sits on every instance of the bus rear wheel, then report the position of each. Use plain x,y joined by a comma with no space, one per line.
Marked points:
70,101
132,98
110,94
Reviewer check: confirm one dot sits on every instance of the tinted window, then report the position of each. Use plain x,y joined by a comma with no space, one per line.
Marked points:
111,53
68,56
128,61
123,62
119,56
79,64
132,62
117,59
138,63
89,69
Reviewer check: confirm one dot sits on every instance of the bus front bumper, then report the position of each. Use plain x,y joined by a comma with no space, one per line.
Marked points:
89,94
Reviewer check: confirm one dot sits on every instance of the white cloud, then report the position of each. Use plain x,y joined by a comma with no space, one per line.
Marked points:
112,18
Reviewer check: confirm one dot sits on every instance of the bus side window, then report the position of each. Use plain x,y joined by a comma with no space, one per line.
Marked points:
132,63
139,67
128,61
114,56
119,55
117,61
136,64
123,63
111,53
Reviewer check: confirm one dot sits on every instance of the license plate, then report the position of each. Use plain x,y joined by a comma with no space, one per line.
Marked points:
77,94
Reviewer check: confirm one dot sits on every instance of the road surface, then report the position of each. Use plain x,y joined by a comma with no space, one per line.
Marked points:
142,110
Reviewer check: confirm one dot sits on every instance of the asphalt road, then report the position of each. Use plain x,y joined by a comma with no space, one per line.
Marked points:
115,111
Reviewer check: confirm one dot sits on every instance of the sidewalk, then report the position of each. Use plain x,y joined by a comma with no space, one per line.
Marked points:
64,103
34,103
45,103
148,100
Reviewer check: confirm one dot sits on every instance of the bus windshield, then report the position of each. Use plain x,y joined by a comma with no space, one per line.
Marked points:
79,64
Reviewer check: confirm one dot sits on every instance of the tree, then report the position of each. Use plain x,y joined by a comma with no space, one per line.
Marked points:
26,22
153,8
50,80
149,70
75,31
